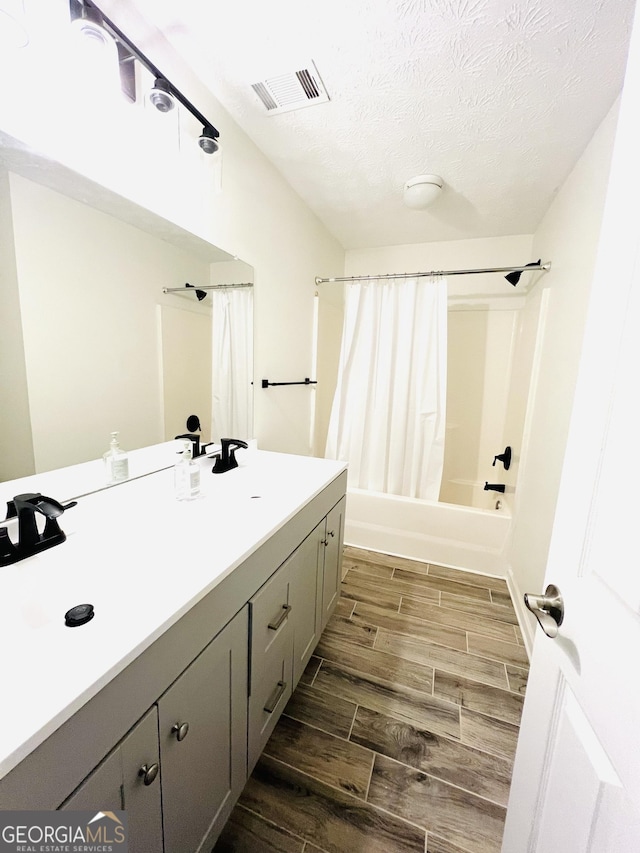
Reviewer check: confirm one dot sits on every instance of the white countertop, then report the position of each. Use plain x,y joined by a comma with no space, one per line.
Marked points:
143,560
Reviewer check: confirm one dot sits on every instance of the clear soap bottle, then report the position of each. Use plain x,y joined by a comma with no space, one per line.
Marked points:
186,474
116,461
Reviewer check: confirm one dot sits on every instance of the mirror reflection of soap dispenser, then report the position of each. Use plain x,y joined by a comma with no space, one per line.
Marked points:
186,474
116,461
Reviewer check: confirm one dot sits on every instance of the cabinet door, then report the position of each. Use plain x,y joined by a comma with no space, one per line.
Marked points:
306,598
202,725
117,783
334,540
101,790
271,657
140,754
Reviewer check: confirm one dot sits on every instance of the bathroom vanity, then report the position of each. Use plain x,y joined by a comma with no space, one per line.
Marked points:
206,614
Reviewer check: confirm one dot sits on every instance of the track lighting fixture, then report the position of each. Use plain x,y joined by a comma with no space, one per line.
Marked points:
208,140
164,94
161,97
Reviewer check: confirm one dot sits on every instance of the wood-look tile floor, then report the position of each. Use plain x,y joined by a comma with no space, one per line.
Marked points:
401,735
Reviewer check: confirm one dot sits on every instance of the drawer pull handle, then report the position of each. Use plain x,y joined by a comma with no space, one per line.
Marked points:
180,730
273,626
148,773
272,701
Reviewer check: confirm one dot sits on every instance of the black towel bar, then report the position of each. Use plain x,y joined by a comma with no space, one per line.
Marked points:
307,381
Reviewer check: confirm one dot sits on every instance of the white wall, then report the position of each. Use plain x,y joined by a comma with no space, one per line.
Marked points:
568,236
237,201
482,311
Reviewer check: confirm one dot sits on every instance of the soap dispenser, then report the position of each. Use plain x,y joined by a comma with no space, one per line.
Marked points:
186,474
116,461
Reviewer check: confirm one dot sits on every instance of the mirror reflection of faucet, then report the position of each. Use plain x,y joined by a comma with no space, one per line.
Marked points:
30,540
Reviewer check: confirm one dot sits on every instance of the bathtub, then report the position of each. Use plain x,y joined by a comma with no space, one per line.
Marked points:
456,536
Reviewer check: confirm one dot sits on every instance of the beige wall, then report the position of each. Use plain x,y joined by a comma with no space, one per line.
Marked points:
16,444
568,236
89,286
480,344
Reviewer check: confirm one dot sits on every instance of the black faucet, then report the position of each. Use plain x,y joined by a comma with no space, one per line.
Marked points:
30,540
495,487
226,460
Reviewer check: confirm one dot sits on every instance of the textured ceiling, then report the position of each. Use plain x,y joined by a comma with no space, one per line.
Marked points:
499,97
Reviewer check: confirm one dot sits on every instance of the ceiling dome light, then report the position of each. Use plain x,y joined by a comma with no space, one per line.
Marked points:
208,140
421,191
161,96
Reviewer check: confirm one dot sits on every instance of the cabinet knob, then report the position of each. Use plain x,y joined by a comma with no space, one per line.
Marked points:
148,773
332,533
180,730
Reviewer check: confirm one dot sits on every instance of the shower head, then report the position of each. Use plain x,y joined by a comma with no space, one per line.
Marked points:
514,277
200,294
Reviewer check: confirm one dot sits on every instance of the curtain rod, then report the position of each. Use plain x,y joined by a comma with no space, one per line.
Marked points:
527,268
193,289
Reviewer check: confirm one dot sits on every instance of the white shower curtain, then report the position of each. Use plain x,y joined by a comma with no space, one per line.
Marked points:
388,414
232,367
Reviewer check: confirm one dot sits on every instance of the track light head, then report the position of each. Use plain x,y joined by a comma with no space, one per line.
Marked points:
161,96
90,25
208,140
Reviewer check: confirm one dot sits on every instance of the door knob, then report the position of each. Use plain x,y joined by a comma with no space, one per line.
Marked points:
548,609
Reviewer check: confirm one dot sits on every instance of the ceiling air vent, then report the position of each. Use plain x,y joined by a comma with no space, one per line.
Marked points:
291,91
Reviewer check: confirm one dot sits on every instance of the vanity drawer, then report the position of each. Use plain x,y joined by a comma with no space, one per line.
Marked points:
271,688
271,612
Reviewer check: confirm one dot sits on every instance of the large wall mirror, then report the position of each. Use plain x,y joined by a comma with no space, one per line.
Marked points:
91,341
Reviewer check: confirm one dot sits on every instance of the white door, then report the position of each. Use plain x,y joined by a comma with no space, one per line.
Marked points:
576,781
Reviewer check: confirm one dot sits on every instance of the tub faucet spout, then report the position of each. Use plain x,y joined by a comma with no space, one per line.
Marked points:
495,487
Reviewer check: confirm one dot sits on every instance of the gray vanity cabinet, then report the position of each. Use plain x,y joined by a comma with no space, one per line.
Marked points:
129,779
332,559
271,657
202,722
306,595
173,737
288,615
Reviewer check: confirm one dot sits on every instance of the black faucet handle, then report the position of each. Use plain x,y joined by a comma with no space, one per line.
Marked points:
505,458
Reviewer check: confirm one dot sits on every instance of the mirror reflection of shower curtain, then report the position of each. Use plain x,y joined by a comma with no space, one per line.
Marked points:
388,414
232,363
